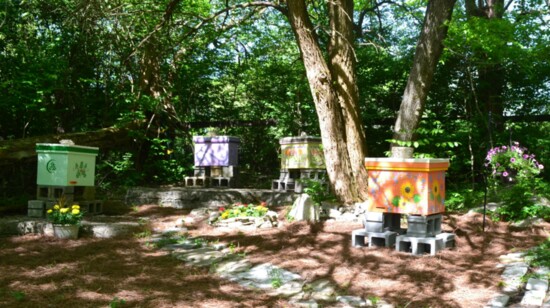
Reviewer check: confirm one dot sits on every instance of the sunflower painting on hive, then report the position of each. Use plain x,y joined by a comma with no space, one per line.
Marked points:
435,192
408,195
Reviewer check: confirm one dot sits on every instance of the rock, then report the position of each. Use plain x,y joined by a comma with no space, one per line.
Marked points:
512,277
360,208
288,289
201,212
322,290
351,301
305,303
180,223
333,213
528,222
348,216
272,215
500,300
537,284
213,216
533,298
491,207
513,257
543,270
304,209
231,267
205,256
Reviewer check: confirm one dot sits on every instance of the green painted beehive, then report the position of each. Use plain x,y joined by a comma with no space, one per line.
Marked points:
65,165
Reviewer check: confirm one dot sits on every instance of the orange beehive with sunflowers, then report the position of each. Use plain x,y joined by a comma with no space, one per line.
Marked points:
406,186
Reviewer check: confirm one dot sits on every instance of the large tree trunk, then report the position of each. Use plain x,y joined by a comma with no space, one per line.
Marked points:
491,76
342,68
336,108
428,52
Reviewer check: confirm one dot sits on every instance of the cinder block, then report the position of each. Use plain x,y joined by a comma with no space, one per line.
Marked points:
222,182
197,181
230,171
281,185
424,226
358,238
392,222
201,171
54,192
374,216
448,239
36,208
216,171
381,222
91,207
382,239
313,174
418,245
374,226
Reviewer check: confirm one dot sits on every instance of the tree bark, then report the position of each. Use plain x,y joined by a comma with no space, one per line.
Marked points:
427,54
331,103
491,76
342,67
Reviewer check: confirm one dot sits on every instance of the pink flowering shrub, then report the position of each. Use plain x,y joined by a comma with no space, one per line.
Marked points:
513,162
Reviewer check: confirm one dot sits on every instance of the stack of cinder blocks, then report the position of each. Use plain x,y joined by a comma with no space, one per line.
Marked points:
213,176
423,233
381,229
48,196
286,181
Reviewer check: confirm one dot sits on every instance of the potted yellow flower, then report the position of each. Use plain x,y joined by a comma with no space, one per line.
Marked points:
65,221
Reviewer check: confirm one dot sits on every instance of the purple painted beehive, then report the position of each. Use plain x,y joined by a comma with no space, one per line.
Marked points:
216,151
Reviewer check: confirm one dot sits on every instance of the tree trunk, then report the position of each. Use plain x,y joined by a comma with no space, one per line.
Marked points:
342,67
491,76
428,52
330,103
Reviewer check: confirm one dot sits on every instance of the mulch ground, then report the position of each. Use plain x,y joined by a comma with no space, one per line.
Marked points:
40,271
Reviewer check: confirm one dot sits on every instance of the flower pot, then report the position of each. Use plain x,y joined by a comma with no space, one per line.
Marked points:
66,231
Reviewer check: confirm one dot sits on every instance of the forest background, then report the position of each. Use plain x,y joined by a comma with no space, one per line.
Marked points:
139,78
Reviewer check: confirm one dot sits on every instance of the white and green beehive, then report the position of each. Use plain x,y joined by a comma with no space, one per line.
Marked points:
65,165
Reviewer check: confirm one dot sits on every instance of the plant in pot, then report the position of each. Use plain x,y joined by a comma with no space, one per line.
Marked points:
65,220
510,164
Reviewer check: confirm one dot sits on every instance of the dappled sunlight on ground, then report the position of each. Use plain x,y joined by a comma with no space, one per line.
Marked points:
39,271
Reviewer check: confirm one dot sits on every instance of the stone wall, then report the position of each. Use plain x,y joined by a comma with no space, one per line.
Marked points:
191,198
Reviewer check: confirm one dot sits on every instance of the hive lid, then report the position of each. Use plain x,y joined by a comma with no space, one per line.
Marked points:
65,148
216,139
300,139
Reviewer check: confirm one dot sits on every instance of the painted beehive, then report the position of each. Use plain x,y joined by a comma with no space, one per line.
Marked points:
216,151
304,152
65,165
406,186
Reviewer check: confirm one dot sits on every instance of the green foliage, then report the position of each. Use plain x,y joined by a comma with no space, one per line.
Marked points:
18,295
62,214
243,210
513,163
318,191
117,302
540,255
520,200
463,199
276,278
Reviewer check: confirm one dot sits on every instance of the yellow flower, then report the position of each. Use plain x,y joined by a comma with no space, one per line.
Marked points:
50,211
75,211
56,207
64,210
407,190
76,207
435,188
225,215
